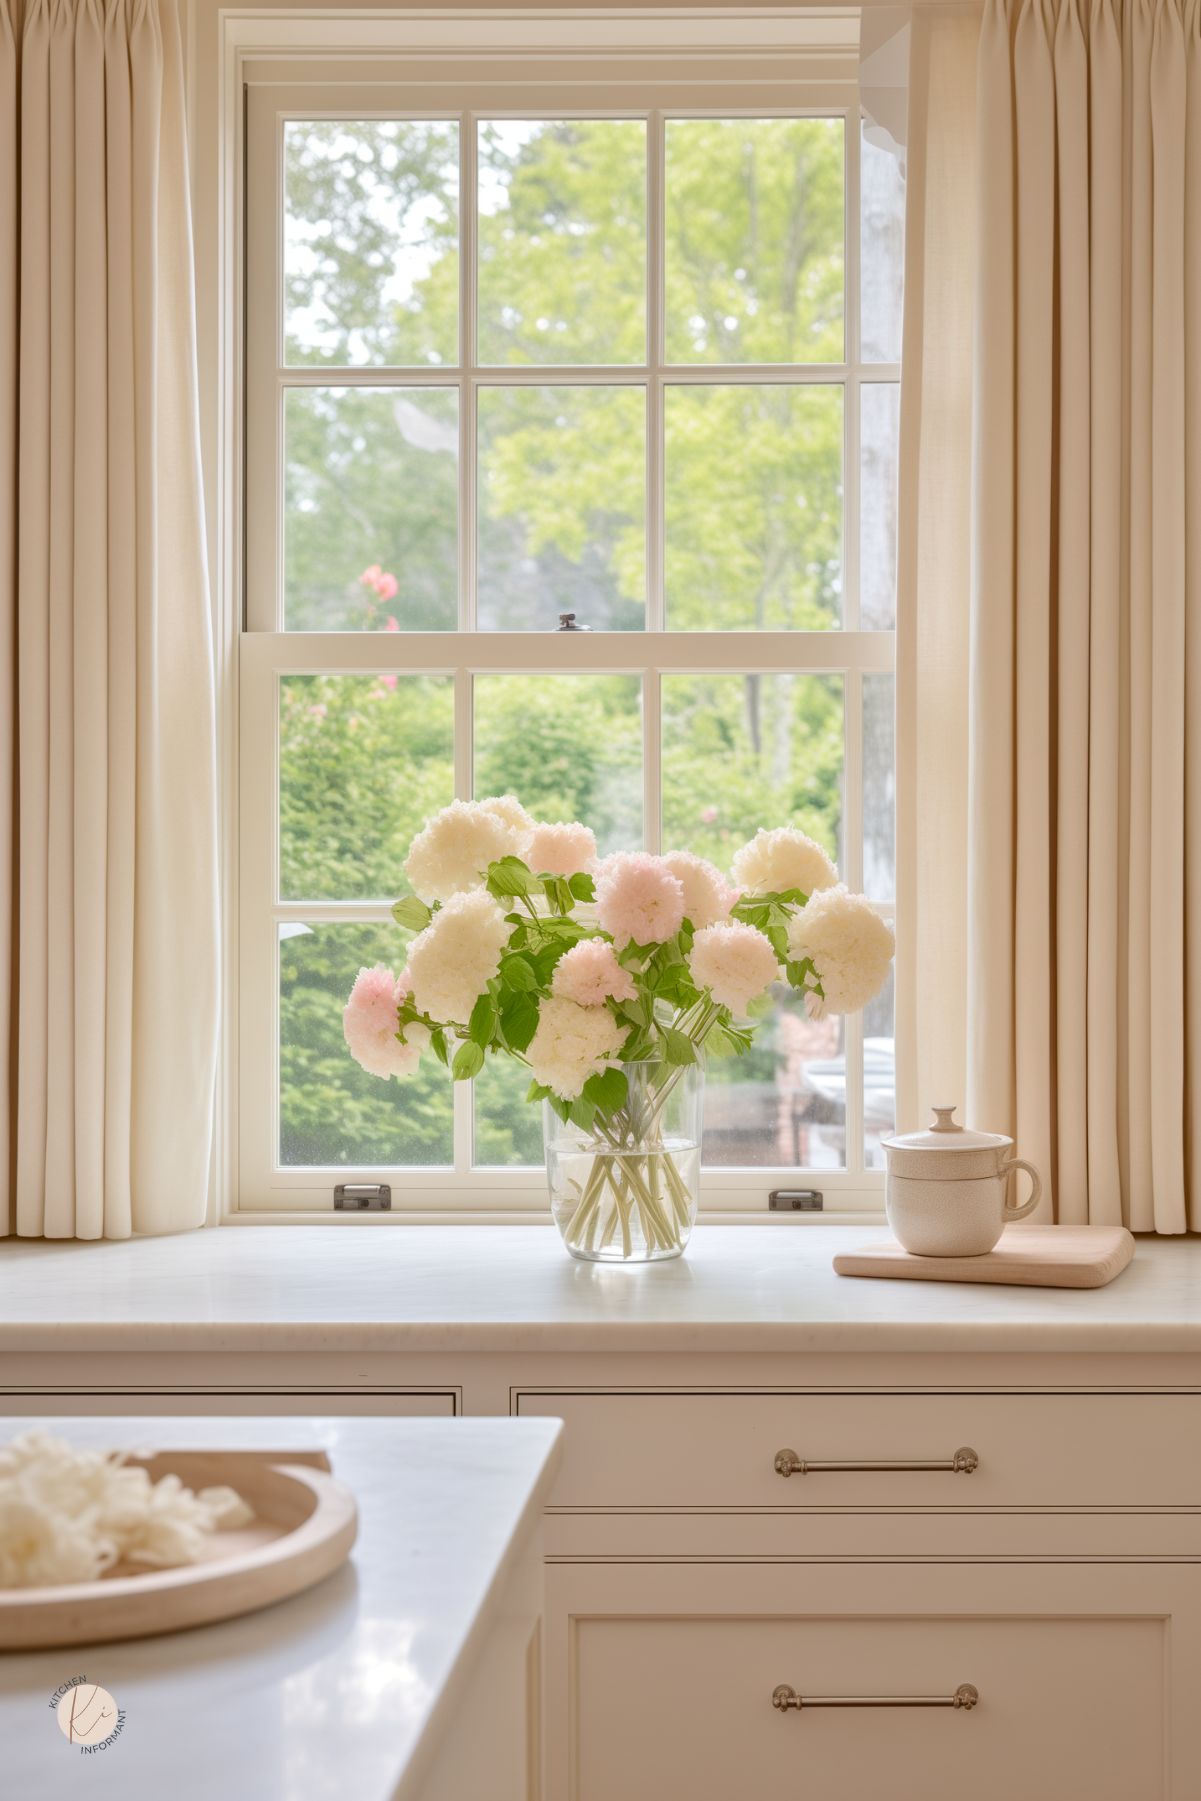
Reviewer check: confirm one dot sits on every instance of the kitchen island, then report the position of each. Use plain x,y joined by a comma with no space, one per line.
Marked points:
410,1674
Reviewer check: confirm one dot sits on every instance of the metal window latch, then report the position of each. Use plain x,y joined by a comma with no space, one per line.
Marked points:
567,624
363,1197
795,1200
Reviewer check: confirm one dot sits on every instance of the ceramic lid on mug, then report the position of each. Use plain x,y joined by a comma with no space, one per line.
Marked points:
945,1149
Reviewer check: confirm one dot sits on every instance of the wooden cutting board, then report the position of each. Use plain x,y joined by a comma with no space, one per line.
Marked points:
1042,1256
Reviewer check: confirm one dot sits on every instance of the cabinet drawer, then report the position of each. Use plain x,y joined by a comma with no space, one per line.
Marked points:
1082,1676
321,1404
1046,1450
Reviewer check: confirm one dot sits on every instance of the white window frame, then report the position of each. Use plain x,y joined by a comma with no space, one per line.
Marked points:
273,85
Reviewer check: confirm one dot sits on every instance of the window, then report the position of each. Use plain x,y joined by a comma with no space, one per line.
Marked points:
504,363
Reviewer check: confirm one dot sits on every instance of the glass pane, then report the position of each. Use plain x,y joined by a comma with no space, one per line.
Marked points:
568,746
371,241
371,499
882,253
744,751
754,508
879,1079
363,761
879,788
562,241
331,1111
879,430
508,1129
740,752
754,240
784,1103
562,508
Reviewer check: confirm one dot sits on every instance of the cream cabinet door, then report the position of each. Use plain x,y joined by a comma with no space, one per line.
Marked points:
1083,1681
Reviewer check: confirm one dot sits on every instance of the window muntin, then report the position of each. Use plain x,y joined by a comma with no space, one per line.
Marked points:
730,525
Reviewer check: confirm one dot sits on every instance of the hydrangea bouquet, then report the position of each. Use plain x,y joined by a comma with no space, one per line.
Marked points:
612,980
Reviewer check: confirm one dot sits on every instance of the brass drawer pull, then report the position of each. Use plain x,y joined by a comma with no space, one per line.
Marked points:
784,1697
962,1463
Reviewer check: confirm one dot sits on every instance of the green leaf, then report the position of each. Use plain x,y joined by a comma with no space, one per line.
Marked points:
509,876
718,1042
678,1048
482,1023
518,1020
516,973
411,913
609,1090
582,887
760,1007
438,1040
583,1114
537,1091
469,1060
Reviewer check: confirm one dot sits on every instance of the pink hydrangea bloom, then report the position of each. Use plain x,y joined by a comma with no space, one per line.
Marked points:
638,899
370,1023
590,974
708,897
386,587
561,849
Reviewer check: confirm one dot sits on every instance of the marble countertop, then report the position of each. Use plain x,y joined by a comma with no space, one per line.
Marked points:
337,1693
514,1288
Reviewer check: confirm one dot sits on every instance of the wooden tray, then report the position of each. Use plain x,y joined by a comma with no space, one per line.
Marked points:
304,1525
1043,1256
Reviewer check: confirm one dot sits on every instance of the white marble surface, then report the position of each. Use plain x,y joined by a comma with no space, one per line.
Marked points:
328,1696
513,1288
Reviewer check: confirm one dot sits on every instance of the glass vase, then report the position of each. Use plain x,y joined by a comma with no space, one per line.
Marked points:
626,1190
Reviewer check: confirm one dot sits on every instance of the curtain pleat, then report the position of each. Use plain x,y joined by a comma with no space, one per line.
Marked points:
9,338
1085,866
933,566
116,997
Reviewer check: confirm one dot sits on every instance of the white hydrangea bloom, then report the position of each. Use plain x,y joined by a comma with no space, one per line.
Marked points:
773,862
452,852
508,808
850,945
708,897
453,960
562,849
571,1044
734,962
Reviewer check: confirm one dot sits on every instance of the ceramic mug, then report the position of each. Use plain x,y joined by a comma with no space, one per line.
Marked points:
957,1216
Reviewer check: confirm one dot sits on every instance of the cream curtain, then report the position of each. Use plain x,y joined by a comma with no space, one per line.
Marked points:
110,902
934,566
1085,786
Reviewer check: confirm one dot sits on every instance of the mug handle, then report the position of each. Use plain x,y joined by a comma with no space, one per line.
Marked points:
1006,1169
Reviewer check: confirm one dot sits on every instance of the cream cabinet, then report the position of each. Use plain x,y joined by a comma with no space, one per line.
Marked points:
774,1485
914,1682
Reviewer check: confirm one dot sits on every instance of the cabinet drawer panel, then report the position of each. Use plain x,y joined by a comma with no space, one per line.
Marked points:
1083,1678
709,1729
321,1404
681,1451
